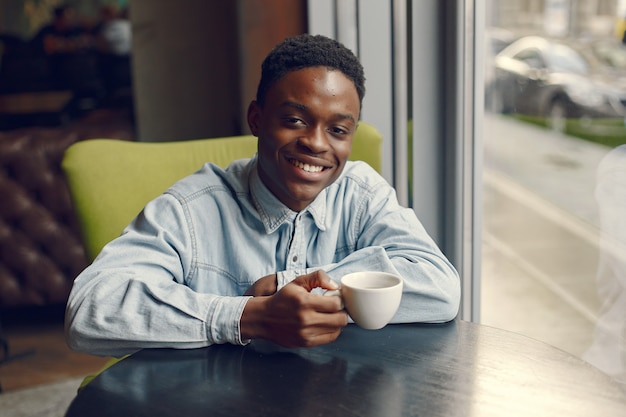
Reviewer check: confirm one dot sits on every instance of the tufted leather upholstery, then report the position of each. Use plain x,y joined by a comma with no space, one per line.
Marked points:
40,248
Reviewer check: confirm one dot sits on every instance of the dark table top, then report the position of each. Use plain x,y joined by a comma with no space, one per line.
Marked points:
453,369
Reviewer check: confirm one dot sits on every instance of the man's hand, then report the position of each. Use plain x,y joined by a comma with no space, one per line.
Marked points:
263,286
293,317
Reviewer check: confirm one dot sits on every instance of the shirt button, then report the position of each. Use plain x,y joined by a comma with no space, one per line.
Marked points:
295,258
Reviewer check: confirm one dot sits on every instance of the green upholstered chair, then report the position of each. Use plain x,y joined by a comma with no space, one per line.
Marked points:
111,180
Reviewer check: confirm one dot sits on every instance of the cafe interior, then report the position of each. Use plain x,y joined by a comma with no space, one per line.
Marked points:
528,255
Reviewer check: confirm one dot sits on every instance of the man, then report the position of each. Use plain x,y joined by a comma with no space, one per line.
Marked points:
71,57
225,256
63,35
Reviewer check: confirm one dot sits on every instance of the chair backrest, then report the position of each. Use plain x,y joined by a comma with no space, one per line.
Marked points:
111,180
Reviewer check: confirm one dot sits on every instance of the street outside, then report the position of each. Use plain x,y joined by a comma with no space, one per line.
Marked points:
540,233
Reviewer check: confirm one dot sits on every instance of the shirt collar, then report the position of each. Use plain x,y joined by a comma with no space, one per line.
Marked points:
273,213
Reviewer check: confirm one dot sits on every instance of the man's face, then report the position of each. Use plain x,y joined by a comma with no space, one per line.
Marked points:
305,130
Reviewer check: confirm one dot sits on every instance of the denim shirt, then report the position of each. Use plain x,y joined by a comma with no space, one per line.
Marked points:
177,274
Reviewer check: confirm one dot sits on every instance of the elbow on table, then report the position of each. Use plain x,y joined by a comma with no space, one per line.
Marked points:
445,311
80,336
432,307
447,302
450,309
84,341
452,301
74,337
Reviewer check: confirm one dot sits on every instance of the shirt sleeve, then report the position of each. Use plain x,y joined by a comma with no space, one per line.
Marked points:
131,298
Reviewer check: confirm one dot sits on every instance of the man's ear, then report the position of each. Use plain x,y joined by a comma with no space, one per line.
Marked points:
254,117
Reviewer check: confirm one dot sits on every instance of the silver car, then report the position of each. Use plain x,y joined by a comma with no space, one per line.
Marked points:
553,78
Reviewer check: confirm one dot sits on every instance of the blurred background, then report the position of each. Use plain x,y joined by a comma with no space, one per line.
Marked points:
554,175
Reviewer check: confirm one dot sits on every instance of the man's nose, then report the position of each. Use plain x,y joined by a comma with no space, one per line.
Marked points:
315,140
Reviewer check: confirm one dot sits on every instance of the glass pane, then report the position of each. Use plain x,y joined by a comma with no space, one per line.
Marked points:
554,222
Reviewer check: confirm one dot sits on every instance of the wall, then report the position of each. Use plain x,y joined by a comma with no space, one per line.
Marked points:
185,68
196,63
262,24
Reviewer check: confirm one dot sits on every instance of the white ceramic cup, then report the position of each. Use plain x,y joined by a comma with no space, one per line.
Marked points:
370,297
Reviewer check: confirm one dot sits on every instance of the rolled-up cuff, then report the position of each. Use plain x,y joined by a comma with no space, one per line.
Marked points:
285,277
224,322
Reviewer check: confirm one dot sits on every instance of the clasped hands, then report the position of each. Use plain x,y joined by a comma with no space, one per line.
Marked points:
293,316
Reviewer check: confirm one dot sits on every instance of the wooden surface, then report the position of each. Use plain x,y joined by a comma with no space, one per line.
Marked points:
38,102
38,353
455,369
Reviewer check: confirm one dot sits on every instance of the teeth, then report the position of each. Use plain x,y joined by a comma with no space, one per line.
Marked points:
306,167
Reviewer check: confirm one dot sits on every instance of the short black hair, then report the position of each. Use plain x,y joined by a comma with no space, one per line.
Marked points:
305,51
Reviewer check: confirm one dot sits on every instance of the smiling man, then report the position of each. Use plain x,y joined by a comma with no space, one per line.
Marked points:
230,255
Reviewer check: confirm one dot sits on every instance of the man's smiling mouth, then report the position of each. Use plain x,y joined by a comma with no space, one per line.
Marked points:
306,167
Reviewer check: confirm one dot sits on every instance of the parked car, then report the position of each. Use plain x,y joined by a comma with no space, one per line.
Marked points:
553,78
496,39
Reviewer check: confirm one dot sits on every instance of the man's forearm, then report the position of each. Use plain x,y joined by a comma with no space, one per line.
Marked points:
115,316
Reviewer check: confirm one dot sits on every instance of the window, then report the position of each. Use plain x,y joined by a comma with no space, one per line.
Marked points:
554,194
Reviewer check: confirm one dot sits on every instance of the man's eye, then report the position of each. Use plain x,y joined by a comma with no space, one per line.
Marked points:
339,131
293,120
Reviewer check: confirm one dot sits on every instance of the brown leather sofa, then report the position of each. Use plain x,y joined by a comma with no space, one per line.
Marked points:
40,248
